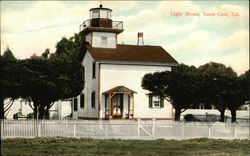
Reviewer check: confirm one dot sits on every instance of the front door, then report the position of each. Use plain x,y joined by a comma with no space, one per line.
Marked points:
117,106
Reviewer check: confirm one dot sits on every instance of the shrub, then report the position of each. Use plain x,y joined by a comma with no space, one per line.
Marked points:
30,116
18,115
190,117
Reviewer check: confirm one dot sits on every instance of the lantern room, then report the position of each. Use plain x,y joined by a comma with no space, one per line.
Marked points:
100,17
100,13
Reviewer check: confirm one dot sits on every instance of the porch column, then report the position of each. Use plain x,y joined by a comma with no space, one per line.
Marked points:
129,101
133,106
109,106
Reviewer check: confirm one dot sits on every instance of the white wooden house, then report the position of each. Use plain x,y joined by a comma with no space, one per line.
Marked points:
113,73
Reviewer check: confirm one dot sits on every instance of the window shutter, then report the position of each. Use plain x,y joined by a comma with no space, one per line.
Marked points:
150,101
162,102
93,99
82,101
75,104
93,70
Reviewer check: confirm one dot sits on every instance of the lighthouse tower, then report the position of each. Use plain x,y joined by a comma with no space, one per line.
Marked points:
100,31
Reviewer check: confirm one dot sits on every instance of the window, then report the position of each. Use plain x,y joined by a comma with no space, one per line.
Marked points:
95,14
75,103
93,68
93,99
155,101
104,40
82,101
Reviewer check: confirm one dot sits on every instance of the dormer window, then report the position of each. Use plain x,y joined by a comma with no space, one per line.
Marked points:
104,40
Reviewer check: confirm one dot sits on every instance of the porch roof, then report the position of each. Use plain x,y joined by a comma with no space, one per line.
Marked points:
119,89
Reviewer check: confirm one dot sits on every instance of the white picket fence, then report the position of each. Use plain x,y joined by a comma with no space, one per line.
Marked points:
126,129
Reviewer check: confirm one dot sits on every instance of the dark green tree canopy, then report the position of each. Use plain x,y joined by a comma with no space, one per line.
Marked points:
179,86
217,83
46,78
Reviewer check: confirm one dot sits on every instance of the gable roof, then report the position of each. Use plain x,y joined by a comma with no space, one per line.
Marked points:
132,53
118,89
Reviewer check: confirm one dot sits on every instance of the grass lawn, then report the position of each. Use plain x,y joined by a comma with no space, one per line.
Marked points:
72,146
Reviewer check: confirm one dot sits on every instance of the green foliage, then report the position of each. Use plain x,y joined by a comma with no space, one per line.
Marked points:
9,79
69,146
30,116
180,86
190,117
221,87
46,78
18,116
8,55
46,54
57,77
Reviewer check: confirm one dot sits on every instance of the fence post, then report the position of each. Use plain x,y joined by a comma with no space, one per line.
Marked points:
39,129
138,127
74,130
106,131
183,130
235,131
153,128
209,131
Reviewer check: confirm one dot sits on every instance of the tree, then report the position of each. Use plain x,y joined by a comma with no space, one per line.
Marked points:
47,79
217,79
238,94
235,96
9,81
180,86
44,79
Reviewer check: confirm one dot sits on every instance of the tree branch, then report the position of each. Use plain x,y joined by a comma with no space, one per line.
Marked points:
184,110
9,105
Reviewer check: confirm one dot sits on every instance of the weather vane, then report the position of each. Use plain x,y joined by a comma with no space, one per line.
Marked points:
100,3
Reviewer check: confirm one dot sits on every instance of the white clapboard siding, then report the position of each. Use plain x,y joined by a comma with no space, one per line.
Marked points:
90,86
130,76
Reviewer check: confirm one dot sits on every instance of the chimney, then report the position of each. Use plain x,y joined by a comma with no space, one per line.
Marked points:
140,38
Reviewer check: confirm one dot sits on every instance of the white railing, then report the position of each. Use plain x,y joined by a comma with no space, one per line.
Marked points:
129,129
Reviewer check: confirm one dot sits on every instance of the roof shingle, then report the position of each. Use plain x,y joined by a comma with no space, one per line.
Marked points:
132,53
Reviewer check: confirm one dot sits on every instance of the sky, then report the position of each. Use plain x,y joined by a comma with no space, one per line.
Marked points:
193,32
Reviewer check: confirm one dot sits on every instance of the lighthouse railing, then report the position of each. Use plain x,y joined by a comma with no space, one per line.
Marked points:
115,25
84,25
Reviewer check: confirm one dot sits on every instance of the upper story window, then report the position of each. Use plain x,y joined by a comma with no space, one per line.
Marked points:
155,101
93,70
104,40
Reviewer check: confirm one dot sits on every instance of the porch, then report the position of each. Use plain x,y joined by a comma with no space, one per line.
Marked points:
119,103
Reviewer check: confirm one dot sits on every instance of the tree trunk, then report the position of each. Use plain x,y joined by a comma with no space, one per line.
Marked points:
222,115
35,110
41,112
1,109
177,115
47,112
233,114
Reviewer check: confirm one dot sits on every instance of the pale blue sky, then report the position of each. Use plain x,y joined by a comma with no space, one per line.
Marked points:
29,27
